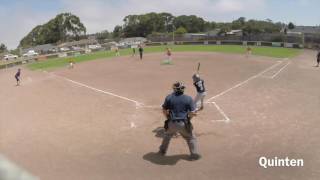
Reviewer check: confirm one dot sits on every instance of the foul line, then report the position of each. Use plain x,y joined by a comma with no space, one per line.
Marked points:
244,82
272,77
138,104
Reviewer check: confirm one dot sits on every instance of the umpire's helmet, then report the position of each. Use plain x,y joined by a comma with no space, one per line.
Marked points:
196,77
178,87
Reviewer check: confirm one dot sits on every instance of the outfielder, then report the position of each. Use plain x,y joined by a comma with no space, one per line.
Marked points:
179,109
141,51
201,91
117,51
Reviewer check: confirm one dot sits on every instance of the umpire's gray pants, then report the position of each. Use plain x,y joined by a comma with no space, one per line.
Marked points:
173,128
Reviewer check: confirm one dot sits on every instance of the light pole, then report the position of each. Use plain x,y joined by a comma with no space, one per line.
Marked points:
173,30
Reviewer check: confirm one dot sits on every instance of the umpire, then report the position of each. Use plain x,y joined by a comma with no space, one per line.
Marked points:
179,109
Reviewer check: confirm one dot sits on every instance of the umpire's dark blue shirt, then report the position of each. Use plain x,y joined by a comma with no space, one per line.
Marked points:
179,106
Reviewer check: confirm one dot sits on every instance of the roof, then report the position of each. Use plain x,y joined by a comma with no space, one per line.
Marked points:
44,47
78,43
195,34
234,31
39,48
306,29
133,39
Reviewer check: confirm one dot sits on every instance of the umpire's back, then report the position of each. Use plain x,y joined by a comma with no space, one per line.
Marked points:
178,104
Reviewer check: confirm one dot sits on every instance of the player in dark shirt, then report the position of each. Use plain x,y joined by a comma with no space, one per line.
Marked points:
17,76
179,109
201,91
140,51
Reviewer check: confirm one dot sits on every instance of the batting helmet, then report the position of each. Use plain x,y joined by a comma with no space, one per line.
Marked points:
196,77
178,87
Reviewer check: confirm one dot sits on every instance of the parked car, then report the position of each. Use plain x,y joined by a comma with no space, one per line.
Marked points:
30,53
63,49
96,46
75,48
10,56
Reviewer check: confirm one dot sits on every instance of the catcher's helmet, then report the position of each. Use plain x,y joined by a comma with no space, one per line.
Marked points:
178,87
196,77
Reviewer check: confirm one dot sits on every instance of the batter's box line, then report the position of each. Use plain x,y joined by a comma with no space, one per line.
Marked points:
226,118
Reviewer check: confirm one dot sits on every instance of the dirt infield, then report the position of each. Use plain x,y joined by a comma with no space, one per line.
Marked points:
102,119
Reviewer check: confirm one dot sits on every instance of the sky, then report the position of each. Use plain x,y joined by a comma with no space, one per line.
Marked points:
18,17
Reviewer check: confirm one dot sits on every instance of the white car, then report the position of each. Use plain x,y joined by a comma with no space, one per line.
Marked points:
63,49
30,54
96,46
10,56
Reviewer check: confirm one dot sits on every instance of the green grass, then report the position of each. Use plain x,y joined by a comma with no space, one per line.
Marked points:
260,51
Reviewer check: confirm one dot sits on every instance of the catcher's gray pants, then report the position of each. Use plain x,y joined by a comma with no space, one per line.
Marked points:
179,127
199,98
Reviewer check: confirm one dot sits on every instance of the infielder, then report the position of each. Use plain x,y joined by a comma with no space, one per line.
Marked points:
71,64
179,109
249,51
17,76
201,91
169,59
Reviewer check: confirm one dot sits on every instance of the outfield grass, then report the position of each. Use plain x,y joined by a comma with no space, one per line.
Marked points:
260,51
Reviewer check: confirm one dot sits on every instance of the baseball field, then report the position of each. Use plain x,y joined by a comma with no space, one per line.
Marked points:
102,119
232,49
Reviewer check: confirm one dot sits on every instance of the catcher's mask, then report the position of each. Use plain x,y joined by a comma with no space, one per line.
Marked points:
178,87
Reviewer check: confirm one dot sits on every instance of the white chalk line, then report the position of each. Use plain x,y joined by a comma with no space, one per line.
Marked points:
138,104
226,118
278,72
244,82
275,75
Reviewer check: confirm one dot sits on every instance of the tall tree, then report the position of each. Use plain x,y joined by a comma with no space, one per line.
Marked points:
291,25
117,32
3,48
63,27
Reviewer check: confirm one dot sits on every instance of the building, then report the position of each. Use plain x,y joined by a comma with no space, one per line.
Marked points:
304,30
83,43
237,32
42,49
132,41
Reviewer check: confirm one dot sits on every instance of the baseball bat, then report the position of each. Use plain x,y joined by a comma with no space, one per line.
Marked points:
198,68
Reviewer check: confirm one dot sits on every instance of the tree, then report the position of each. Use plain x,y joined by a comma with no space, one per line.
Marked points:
291,26
239,23
103,35
192,24
181,30
3,48
117,32
63,27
